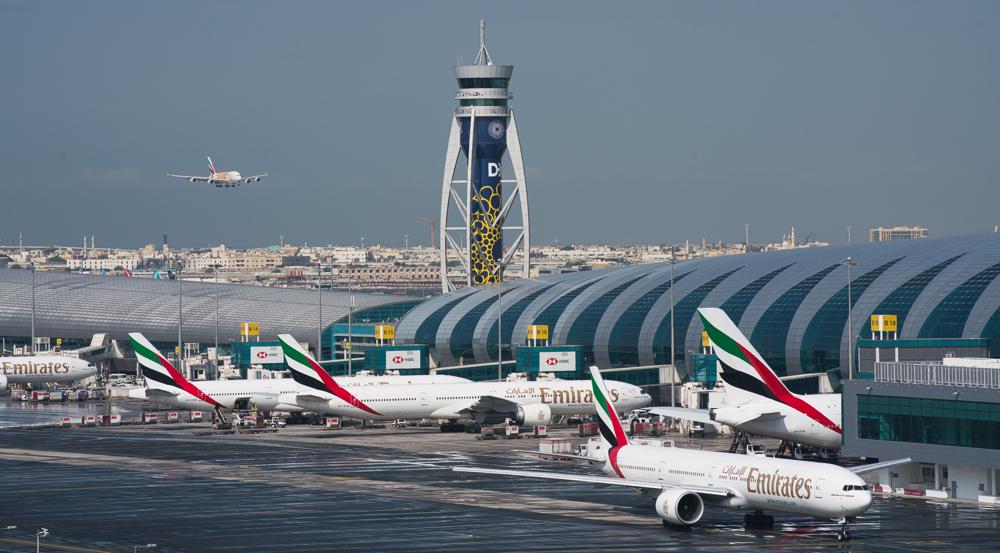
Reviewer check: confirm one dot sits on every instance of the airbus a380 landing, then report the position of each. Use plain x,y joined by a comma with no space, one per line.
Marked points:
166,385
38,369
222,179
685,480
757,401
486,402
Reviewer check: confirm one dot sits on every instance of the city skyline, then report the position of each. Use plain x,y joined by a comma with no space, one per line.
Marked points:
687,120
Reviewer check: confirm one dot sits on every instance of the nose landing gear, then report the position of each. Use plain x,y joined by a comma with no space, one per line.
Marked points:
757,519
843,534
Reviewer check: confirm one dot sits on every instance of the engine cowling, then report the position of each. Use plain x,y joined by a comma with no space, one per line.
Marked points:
680,507
534,414
266,402
192,179
3,382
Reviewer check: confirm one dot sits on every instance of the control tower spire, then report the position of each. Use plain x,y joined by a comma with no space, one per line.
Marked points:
481,210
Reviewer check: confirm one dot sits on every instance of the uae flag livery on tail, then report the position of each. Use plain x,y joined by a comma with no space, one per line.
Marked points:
610,425
160,373
744,370
306,371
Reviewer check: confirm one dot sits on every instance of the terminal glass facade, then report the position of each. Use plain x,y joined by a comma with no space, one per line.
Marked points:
929,421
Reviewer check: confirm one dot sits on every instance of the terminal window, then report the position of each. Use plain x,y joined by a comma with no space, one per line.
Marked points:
929,421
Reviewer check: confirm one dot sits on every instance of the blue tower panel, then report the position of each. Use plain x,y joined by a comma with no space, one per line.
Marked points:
486,240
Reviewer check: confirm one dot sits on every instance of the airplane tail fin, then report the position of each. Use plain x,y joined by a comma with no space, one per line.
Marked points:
160,374
211,166
306,371
612,431
747,376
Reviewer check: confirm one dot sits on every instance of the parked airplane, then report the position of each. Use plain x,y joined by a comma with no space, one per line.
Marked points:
527,402
757,401
221,179
38,369
684,480
165,384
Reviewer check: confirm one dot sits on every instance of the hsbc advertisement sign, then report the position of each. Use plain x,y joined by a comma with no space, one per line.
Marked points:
402,359
551,361
266,355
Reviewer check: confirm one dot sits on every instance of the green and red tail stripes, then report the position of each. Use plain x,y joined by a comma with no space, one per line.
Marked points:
744,368
607,419
156,368
307,371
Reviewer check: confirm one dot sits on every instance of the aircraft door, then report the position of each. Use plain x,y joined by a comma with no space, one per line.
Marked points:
662,473
423,399
818,488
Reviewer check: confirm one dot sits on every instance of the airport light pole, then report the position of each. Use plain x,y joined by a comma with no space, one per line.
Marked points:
32,268
350,324
319,322
215,273
41,533
499,323
673,368
180,321
850,262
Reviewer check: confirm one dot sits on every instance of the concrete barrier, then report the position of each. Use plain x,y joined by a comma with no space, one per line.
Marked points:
937,494
989,499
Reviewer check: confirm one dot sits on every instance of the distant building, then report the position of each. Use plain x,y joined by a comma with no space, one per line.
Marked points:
882,234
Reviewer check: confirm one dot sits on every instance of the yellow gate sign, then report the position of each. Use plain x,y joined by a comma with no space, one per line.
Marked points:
704,339
884,323
250,329
385,332
538,332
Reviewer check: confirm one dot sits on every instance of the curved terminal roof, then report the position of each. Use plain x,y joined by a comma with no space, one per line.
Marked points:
792,304
70,305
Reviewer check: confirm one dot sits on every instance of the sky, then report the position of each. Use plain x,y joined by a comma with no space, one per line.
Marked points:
640,122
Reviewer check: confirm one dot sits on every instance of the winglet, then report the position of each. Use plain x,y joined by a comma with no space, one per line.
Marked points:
612,431
211,166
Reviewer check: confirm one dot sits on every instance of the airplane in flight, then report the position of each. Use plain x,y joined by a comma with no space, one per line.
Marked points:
166,385
38,369
685,480
221,179
757,401
527,402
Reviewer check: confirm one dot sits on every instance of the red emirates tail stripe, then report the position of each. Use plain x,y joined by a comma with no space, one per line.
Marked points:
184,384
338,390
785,396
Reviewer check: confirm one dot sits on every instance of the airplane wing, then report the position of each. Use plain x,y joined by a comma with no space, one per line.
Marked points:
558,455
486,409
592,480
759,416
254,178
190,178
696,415
865,469
154,394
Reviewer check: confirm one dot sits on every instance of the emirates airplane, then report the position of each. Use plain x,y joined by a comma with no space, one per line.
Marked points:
527,402
39,369
166,385
757,401
221,179
685,480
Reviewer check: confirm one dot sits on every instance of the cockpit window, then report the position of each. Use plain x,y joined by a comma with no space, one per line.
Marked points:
854,487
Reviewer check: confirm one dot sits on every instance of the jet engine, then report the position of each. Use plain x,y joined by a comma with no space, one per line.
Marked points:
680,507
534,414
192,179
256,179
3,382
266,402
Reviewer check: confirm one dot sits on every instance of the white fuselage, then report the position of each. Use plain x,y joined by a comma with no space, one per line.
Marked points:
559,397
37,369
793,426
754,482
267,393
225,176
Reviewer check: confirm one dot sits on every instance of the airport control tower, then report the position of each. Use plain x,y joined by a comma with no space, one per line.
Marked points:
477,204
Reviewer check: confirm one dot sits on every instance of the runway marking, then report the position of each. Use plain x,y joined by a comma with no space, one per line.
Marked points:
49,545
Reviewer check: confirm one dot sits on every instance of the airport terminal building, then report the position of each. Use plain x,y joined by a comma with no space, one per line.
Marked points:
792,304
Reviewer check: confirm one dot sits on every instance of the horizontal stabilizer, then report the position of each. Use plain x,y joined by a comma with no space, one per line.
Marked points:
696,415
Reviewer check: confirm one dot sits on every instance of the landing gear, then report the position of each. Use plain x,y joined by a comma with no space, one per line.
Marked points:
740,442
843,534
757,519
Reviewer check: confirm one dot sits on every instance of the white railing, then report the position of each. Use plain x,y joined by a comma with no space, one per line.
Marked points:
937,373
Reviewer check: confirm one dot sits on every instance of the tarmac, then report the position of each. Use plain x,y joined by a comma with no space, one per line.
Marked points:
310,489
